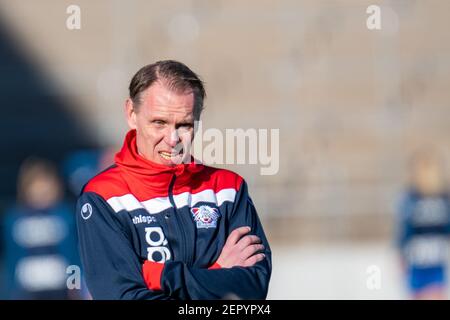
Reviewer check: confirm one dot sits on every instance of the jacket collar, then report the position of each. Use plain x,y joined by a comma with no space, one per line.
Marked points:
149,172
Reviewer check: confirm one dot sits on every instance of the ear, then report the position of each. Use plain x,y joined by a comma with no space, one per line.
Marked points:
130,113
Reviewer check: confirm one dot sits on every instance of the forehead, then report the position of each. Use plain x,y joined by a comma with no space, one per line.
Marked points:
162,101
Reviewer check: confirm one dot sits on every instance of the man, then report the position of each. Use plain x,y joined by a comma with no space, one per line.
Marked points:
158,225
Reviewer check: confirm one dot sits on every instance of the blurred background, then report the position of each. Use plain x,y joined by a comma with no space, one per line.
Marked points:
352,105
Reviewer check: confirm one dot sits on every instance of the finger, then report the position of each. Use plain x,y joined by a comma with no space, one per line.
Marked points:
247,241
254,259
237,234
251,250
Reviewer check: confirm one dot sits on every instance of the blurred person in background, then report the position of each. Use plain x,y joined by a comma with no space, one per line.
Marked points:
39,236
424,227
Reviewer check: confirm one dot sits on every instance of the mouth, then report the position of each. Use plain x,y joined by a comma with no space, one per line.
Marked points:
171,156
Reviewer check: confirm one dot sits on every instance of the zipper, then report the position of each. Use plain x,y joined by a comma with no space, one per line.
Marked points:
185,252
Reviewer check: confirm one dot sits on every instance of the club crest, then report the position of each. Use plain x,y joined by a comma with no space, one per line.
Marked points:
205,216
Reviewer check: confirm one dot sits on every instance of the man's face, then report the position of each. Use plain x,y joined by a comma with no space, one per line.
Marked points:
164,123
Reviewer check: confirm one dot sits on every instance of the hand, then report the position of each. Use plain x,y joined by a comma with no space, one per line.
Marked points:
240,250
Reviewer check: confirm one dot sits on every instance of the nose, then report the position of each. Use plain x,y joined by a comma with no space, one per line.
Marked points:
173,138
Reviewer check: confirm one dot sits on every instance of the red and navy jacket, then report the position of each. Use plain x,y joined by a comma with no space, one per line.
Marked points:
148,231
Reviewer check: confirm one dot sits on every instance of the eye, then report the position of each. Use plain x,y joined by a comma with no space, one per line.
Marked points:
186,125
159,122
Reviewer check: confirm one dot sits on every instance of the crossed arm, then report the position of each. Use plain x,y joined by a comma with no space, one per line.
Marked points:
236,272
241,250
114,271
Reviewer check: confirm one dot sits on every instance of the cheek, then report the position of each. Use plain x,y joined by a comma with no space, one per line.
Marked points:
150,135
154,136
187,136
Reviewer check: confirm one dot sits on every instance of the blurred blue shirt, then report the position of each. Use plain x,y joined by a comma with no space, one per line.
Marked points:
39,246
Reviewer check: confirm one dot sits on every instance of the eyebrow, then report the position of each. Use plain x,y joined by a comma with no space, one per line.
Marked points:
165,119
157,119
183,123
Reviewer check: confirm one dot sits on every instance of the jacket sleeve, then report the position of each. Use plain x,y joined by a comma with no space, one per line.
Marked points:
184,282
111,267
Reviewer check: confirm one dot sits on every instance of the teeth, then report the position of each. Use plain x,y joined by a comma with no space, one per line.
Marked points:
167,155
